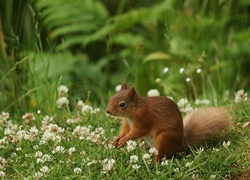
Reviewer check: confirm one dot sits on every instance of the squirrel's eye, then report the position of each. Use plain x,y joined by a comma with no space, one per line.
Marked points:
122,105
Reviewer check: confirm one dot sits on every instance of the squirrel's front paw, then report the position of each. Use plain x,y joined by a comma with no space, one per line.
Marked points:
116,140
122,142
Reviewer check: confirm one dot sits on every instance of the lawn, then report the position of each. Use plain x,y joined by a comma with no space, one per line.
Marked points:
76,145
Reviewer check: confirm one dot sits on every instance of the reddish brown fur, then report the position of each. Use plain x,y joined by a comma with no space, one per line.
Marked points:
204,124
159,119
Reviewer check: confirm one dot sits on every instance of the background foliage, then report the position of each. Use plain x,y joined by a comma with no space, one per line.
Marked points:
93,45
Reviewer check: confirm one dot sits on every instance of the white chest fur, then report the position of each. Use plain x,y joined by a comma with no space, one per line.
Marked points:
129,121
147,138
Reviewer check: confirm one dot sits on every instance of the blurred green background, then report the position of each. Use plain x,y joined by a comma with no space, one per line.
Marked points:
94,45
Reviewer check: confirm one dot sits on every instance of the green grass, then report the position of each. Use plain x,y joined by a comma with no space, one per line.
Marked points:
130,41
21,152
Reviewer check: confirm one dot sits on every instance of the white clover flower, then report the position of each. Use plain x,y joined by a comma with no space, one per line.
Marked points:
39,161
42,158
107,165
73,120
184,106
240,96
164,162
18,149
77,170
93,137
213,176
188,164
3,141
47,136
118,87
165,70
46,157
181,70
226,144
200,150
195,177
81,131
8,131
58,149
182,102
38,175
63,90
28,117
131,145
176,170
215,149
188,79
83,153
87,109
157,80
92,162
198,71
141,144
4,116
45,123
80,103
153,92
135,166
72,150
147,158
47,119
108,146
44,169
51,137
33,132
2,174
3,162
38,111
187,109
153,151
55,128
21,134
96,111
62,101
99,130
133,159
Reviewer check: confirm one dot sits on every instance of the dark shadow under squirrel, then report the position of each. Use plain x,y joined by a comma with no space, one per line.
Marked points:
158,121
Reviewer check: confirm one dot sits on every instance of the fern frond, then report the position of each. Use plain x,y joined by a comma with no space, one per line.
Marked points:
127,20
64,18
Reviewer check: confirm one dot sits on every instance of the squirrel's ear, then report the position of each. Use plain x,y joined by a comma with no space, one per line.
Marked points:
132,93
124,86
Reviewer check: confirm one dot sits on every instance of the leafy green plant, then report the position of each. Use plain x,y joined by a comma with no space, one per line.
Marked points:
70,22
17,30
101,45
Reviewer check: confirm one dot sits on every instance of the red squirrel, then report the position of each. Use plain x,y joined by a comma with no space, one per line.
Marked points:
158,121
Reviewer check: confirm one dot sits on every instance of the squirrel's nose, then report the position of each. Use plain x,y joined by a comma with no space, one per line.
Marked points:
108,111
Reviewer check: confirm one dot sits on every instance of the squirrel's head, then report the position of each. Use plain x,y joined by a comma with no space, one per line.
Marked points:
123,102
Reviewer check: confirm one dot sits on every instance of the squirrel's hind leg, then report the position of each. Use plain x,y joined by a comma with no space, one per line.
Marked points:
167,145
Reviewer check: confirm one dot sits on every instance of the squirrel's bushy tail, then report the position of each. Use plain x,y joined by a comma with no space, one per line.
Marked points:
205,123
